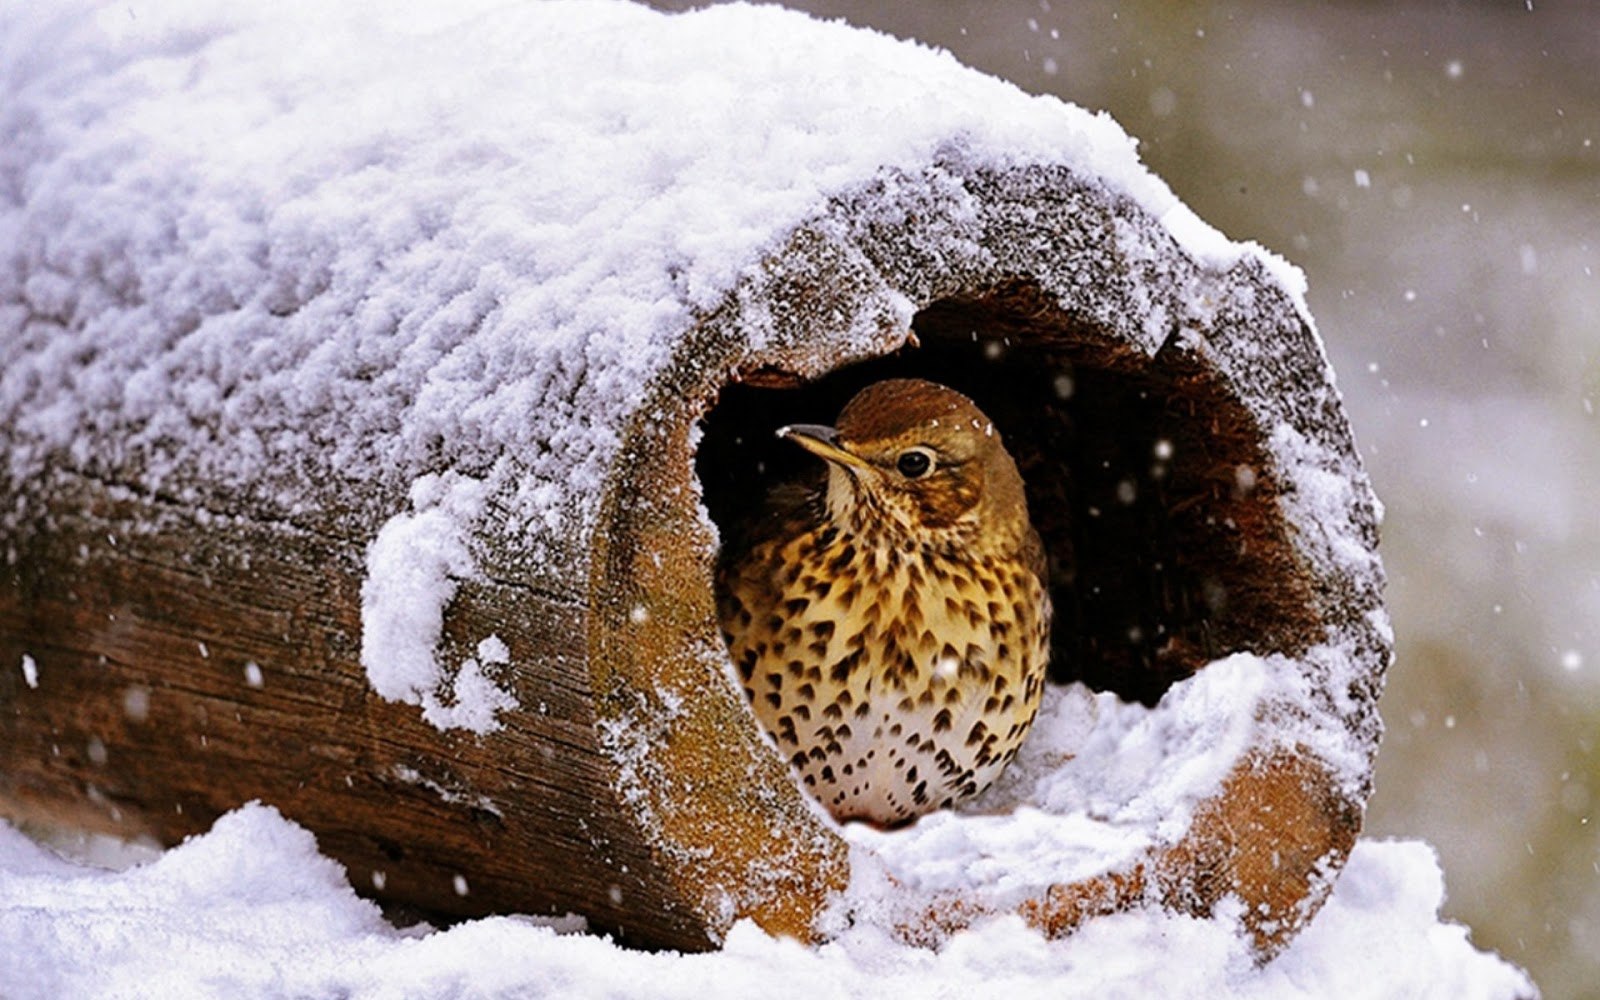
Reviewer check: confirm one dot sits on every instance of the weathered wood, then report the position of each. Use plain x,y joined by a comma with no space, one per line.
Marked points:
183,670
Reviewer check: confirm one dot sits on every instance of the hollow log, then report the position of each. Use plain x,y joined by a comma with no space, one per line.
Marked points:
244,397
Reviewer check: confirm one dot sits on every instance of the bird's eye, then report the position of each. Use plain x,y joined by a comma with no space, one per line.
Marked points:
914,464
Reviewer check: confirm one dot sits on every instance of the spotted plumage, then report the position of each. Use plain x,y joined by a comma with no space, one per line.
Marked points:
890,621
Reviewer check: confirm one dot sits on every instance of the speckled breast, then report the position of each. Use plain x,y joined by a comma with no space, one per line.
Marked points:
896,681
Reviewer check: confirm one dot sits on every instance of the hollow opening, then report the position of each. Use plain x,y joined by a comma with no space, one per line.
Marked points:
1145,478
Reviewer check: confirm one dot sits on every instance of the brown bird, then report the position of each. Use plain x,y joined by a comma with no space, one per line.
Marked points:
891,621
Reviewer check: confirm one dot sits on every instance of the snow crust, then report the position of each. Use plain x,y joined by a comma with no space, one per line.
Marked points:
414,567
247,245
252,909
1097,787
1214,251
1097,784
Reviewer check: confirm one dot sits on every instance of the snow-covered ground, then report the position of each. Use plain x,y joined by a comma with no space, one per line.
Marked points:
251,909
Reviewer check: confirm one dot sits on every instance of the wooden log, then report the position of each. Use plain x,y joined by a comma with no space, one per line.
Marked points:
196,634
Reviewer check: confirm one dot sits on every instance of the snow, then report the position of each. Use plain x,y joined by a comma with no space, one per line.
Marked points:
414,567
243,239
1097,785
30,671
308,255
293,252
309,250
251,247
251,908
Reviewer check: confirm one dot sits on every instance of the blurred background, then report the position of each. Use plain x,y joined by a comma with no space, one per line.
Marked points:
1435,170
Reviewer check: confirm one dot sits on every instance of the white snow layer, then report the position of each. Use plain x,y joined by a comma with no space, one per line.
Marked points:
252,909
245,247
234,236
1098,784
413,569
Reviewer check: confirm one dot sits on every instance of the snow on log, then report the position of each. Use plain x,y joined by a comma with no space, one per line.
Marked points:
374,383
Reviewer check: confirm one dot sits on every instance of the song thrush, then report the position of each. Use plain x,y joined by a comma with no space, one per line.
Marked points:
890,621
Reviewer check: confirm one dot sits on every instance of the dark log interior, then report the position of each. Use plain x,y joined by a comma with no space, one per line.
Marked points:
1145,477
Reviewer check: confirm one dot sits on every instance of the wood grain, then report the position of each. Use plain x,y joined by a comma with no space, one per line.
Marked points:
145,720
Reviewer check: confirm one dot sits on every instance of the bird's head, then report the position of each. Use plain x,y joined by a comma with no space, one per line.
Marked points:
921,461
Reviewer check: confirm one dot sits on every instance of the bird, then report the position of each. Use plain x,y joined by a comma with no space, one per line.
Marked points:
889,618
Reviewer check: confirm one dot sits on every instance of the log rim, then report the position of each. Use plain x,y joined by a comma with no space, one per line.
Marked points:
843,276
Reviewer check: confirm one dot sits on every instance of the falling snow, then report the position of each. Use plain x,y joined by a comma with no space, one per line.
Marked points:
306,225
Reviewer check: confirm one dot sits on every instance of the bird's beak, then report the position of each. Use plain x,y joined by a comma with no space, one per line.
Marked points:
822,442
